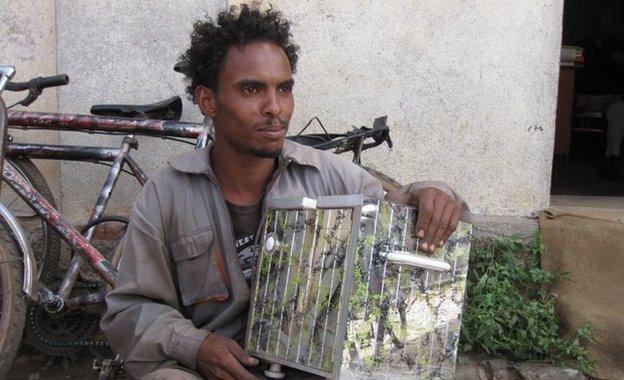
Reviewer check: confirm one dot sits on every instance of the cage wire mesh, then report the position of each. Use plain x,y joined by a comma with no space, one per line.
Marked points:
340,291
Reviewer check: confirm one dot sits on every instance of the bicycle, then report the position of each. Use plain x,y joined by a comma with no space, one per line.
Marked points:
27,277
15,277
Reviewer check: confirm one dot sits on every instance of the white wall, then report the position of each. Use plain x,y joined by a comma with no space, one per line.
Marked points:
120,52
469,87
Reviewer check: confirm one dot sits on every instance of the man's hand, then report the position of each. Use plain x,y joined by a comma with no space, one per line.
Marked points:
219,357
438,215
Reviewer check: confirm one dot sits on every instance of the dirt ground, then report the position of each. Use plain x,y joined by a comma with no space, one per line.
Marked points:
33,365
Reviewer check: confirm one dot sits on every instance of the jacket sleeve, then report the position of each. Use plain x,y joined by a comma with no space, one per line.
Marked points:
143,321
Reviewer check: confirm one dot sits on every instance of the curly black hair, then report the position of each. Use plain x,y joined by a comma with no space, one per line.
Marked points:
210,42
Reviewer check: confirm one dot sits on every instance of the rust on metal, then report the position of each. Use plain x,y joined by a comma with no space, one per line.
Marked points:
59,224
61,152
92,123
101,203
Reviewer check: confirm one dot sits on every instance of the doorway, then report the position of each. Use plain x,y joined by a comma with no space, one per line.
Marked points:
592,66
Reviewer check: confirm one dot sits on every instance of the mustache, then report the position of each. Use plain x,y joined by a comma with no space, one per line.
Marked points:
274,122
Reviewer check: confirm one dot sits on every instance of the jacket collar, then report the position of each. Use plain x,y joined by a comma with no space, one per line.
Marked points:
198,161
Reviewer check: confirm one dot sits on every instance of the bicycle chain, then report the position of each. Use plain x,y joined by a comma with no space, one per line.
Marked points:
41,325
42,328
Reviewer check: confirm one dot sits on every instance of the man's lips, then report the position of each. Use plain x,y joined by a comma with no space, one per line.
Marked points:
273,132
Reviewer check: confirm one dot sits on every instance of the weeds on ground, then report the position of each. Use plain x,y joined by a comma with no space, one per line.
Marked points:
509,312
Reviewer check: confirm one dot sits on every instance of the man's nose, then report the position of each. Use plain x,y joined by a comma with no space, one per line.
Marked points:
272,106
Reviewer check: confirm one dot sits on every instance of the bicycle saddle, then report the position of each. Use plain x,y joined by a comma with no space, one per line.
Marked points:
170,109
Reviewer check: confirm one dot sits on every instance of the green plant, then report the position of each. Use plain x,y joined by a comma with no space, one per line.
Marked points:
509,310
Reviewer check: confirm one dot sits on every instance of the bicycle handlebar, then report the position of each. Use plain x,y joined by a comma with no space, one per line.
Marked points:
36,85
39,83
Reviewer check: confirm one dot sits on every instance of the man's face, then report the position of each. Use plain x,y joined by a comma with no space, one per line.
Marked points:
254,101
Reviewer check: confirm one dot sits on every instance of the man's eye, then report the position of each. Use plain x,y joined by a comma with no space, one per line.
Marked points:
286,88
250,89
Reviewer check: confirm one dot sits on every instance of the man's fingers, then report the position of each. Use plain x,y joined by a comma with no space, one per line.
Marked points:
434,223
222,374
439,237
241,355
454,222
233,366
425,212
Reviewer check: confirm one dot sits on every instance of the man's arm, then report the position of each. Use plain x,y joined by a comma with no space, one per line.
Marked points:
143,321
439,208
439,211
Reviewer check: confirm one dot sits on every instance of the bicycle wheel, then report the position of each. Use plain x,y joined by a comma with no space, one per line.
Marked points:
45,243
13,309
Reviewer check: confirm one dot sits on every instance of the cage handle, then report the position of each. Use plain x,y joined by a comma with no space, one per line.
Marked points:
420,261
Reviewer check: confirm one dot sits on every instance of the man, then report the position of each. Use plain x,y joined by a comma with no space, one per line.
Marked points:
180,305
599,86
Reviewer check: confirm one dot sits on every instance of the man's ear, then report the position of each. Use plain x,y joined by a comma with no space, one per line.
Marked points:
206,100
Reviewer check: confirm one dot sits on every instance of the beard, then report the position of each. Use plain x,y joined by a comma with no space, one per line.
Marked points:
263,153
267,153
245,146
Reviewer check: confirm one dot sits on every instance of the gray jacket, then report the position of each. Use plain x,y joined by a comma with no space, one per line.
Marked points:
180,232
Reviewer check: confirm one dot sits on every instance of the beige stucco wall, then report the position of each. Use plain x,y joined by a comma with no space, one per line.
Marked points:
120,51
28,30
469,87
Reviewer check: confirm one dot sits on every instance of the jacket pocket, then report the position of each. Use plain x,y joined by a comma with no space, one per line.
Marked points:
199,268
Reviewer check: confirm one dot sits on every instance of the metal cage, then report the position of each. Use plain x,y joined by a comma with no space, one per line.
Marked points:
339,291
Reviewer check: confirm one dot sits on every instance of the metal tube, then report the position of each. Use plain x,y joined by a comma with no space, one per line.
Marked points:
433,331
380,322
372,253
292,246
318,293
88,299
206,134
74,268
405,223
396,302
252,307
329,295
61,152
420,261
309,278
59,224
345,292
30,265
292,314
139,174
264,301
6,73
277,282
93,123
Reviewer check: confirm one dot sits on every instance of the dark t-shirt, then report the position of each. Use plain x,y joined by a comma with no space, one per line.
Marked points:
245,221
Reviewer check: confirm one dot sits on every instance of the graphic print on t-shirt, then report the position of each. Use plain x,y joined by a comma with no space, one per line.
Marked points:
245,221
246,256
